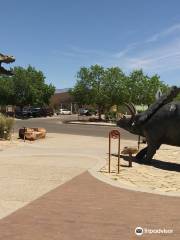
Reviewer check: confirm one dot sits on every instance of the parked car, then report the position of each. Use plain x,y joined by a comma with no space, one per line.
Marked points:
42,112
23,113
37,112
47,111
28,112
64,111
84,112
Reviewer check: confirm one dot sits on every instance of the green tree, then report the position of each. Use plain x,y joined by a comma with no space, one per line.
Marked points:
29,87
114,86
104,88
135,86
6,91
178,97
143,88
88,88
99,87
153,85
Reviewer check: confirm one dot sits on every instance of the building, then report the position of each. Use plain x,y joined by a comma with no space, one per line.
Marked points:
63,99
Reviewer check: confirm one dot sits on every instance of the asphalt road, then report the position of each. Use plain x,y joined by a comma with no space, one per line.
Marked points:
54,125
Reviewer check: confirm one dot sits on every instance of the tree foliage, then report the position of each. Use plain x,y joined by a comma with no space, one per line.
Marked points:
178,98
6,91
104,88
99,87
143,88
26,87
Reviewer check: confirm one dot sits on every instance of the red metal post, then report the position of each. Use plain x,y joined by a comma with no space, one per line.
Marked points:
114,134
118,152
109,152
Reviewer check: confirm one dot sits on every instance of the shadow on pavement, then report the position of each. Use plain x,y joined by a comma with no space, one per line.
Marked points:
156,163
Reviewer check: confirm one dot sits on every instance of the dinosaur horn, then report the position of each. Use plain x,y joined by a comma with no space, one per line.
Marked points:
133,107
120,115
130,109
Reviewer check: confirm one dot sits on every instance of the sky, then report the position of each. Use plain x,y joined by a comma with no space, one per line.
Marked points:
59,37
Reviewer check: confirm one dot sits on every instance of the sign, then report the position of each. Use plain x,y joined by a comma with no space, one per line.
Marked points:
115,134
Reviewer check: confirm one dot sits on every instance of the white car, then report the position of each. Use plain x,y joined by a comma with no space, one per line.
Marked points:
64,111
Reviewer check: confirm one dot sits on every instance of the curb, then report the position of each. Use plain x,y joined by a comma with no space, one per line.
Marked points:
95,172
93,124
36,118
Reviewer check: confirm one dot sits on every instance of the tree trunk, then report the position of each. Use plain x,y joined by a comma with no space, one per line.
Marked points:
99,113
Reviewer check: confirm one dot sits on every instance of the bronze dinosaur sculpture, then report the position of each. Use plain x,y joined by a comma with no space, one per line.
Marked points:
159,124
6,59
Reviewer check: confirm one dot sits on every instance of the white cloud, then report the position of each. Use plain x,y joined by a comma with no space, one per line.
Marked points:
85,52
154,38
124,52
79,53
153,54
163,58
173,29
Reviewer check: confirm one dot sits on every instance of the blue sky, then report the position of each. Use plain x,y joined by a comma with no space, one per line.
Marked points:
60,36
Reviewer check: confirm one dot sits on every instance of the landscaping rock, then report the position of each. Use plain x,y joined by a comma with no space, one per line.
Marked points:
32,133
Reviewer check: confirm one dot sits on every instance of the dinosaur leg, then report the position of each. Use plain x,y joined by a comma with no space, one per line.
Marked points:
140,156
146,154
152,148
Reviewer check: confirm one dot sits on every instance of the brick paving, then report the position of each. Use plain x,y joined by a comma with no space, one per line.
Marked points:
88,209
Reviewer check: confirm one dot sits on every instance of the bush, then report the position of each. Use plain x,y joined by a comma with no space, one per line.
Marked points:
6,125
110,116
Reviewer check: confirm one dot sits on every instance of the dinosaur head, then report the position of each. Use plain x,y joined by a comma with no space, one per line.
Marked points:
7,60
126,122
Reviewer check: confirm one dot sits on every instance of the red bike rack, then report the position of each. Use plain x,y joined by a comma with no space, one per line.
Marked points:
114,134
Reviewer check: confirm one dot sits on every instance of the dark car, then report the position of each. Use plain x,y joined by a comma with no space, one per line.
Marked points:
47,111
37,112
84,112
28,112
42,112
23,113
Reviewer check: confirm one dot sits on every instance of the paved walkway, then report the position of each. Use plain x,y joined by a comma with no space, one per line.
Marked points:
29,170
47,194
86,208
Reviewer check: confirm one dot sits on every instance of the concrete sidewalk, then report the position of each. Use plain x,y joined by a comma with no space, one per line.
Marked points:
29,170
47,194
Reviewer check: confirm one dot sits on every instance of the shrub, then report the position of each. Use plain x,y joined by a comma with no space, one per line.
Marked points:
6,125
110,116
